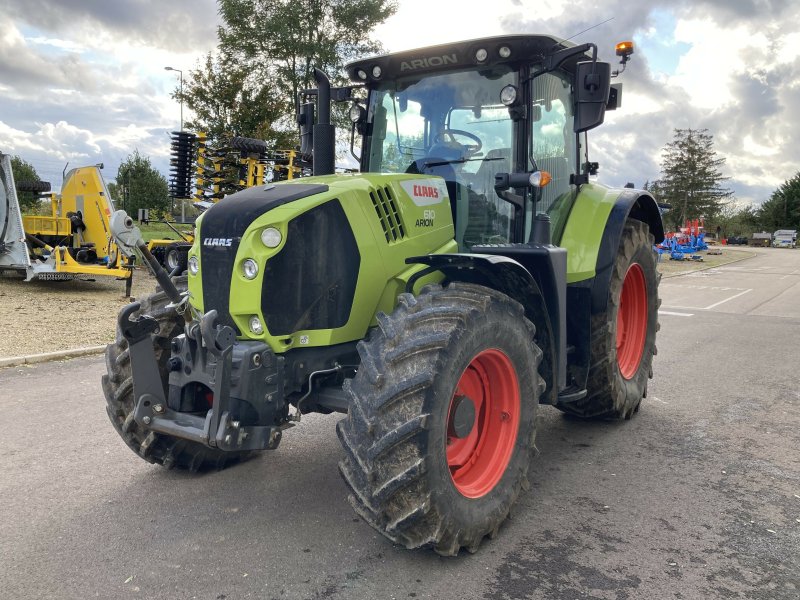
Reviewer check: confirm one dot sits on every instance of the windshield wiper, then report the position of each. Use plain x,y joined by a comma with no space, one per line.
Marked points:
438,163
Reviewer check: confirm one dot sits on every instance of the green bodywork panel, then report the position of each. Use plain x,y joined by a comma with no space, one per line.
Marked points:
584,229
392,218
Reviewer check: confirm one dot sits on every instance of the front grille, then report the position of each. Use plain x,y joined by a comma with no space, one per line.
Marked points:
311,282
229,220
388,215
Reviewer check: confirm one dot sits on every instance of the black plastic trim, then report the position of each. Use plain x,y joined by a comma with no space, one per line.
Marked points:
636,205
513,279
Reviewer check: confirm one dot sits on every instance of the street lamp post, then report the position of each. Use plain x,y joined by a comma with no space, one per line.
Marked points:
181,90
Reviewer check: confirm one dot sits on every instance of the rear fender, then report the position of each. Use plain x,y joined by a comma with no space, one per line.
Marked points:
593,230
511,278
631,204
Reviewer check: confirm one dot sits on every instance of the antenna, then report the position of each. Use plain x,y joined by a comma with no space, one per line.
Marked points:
587,29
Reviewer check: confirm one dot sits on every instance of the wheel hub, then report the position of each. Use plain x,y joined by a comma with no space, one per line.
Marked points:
482,423
462,417
632,321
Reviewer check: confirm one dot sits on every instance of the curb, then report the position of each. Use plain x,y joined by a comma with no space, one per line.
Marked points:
48,356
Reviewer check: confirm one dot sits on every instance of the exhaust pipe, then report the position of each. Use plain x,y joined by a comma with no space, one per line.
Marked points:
324,132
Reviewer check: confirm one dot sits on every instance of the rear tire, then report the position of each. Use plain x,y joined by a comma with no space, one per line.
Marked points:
417,474
118,389
624,337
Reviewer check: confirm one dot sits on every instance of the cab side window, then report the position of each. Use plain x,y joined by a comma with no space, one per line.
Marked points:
552,140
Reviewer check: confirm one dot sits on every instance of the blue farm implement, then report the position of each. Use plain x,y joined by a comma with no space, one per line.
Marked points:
688,241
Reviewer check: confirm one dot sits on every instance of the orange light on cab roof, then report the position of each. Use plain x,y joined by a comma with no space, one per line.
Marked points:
624,48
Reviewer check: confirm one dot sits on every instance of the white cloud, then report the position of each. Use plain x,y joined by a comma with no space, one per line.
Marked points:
420,23
716,53
68,45
788,49
16,140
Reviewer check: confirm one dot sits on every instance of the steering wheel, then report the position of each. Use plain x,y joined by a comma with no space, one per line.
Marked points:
447,137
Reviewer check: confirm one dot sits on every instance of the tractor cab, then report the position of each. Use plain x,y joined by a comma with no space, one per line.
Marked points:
477,112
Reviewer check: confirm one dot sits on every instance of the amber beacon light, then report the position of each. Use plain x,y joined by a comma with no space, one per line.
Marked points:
624,49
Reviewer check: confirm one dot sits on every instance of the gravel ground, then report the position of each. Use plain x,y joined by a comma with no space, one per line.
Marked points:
46,316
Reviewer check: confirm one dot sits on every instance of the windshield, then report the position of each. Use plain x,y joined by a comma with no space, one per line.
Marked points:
452,125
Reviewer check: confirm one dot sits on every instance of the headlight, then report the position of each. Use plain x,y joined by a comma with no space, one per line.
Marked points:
271,237
250,268
508,95
377,72
255,325
356,113
481,55
194,265
504,52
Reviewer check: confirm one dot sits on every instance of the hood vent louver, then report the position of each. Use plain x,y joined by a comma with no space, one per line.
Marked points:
386,208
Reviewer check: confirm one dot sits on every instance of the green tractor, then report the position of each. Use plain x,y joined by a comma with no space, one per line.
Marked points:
469,272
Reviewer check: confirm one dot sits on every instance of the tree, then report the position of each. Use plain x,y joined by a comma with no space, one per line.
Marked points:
24,171
142,185
782,210
691,180
228,100
739,221
115,193
266,56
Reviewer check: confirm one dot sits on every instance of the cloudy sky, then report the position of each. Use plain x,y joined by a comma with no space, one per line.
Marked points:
83,81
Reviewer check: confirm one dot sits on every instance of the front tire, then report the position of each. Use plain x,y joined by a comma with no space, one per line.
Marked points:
117,384
624,336
442,427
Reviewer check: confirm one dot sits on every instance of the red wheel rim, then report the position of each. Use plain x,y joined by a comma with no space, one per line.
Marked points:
631,321
477,462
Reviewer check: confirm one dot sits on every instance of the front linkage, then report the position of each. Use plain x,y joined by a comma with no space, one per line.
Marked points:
210,374
205,360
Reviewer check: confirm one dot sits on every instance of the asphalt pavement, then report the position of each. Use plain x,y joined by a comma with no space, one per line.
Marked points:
697,497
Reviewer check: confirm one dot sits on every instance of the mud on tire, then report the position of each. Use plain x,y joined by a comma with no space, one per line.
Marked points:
398,465
620,366
118,389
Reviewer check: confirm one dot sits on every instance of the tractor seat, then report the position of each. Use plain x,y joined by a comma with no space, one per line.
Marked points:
497,160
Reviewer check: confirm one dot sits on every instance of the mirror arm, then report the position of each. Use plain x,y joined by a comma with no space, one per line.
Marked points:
553,61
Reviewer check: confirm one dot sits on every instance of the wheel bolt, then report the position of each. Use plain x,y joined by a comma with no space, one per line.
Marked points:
504,416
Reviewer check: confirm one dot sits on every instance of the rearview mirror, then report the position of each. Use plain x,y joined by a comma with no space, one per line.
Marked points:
592,82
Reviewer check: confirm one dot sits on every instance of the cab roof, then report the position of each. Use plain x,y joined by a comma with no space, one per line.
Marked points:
460,55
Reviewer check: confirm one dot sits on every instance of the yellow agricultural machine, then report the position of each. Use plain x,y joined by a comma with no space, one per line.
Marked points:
73,241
